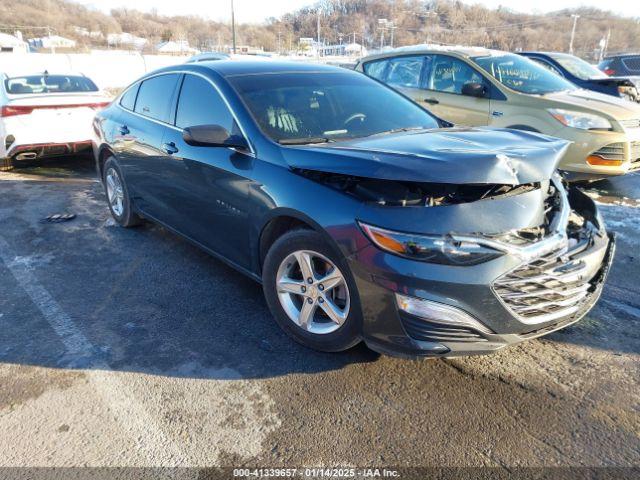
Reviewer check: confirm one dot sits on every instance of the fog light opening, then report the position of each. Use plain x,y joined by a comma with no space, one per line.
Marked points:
440,313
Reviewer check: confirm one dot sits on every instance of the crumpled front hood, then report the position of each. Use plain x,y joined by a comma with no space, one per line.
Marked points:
454,155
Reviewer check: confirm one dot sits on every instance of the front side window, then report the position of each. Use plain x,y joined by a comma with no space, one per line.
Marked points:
201,104
49,84
154,97
450,74
301,107
578,67
547,65
376,69
523,75
405,71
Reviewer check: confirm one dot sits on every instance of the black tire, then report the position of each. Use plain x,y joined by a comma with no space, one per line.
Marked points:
128,217
349,333
6,164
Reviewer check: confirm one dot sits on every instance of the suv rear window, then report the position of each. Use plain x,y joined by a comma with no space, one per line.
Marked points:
632,63
49,84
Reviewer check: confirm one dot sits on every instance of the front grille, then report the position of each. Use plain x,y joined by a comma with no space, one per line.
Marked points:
548,288
633,123
420,329
634,151
613,151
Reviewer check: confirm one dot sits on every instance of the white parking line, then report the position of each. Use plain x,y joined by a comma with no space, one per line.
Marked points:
116,394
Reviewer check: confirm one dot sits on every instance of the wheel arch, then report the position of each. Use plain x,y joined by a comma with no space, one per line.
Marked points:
104,153
281,221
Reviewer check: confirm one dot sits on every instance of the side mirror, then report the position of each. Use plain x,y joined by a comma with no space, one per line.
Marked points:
474,89
212,136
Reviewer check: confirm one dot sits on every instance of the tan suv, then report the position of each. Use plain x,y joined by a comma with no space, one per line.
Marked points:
476,86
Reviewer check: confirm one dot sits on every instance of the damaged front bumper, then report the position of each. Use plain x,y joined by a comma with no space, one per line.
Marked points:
530,291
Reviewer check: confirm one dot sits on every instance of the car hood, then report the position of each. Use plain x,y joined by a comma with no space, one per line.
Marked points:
620,81
617,108
458,155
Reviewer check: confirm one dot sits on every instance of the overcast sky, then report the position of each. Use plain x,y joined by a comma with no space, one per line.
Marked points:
259,10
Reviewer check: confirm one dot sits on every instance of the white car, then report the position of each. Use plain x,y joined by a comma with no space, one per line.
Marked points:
44,115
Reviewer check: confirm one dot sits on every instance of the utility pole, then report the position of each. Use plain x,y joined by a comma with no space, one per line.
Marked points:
573,31
233,27
318,31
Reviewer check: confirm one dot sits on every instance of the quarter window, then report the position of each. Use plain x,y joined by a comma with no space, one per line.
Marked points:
128,99
405,71
154,97
450,74
201,104
375,69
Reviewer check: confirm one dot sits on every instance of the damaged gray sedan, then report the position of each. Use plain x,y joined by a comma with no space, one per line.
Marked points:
364,217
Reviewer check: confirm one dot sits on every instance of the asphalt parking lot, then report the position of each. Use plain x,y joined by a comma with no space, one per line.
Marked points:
133,348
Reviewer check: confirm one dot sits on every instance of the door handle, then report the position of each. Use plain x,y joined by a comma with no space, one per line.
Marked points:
431,101
169,148
124,130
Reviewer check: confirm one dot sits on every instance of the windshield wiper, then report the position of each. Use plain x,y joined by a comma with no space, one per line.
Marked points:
304,141
397,130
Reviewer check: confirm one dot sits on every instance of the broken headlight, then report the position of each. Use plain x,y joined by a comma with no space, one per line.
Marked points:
444,250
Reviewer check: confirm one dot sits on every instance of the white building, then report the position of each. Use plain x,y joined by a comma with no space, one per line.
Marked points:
176,47
11,44
52,41
126,40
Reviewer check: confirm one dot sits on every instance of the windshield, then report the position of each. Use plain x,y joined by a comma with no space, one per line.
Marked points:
578,67
49,84
323,107
523,75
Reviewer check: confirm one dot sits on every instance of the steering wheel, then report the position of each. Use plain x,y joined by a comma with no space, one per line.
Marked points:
356,116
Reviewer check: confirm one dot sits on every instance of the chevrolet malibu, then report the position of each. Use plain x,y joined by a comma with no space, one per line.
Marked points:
364,217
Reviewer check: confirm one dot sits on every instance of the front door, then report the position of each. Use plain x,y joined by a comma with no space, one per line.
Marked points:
442,92
211,184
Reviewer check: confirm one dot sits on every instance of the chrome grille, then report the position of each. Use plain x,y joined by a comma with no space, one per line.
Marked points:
634,151
548,288
633,123
613,151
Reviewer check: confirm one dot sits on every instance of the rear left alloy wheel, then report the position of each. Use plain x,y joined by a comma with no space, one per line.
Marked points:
118,195
311,293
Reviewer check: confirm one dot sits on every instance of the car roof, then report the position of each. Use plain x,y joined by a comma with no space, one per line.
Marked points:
460,50
622,55
229,68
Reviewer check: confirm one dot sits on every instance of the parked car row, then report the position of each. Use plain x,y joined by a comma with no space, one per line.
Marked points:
480,87
365,216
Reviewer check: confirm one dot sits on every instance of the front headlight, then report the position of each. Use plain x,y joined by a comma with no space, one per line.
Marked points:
581,120
444,250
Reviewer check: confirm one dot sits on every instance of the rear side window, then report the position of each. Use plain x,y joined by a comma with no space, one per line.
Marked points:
449,75
201,104
375,69
128,99
405,71
632,63
154,97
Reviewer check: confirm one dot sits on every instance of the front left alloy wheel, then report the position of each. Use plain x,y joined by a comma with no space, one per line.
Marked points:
311,293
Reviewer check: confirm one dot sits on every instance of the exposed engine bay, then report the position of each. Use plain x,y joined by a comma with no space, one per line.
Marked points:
395,193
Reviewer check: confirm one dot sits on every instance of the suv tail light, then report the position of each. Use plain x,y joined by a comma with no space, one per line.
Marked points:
13,110
609,71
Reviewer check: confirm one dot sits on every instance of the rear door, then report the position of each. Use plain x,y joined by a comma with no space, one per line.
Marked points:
442,91
139,144
210,184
